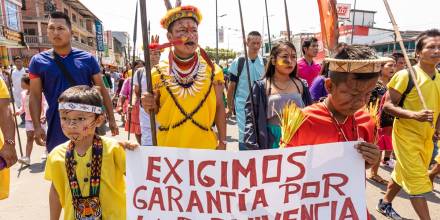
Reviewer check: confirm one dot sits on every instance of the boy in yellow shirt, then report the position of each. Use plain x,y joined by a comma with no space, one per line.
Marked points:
87,172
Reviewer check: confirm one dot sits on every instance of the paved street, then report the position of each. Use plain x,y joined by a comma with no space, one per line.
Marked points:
29,191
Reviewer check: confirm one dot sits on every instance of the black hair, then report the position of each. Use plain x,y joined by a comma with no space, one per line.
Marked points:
325,69
137,62
61,15
397,56
276,49
423,36
82,95
25,78
354,52
16,58
254,34
307,42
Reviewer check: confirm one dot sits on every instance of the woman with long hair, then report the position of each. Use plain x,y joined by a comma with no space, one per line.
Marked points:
279,86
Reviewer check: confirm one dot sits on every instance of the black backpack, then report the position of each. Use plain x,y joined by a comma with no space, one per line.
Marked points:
241,61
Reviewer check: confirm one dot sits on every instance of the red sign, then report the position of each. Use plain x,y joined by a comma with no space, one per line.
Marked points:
358,30
343,10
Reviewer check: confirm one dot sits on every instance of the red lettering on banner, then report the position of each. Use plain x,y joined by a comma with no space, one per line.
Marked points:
141,201
334,209
305,191
140,218
224,176
260,198
289,215
320,205
210,200
348,206
228,196
288,191
194,200
266,160
175,199
152,167
250,171
183,218
172,171
302,169
307,213
242,201
191,173
156,198
206,181
337,187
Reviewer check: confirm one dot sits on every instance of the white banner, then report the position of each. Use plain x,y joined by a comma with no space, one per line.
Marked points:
314,182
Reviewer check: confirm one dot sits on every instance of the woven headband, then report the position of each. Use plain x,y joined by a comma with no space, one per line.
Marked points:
80,107
357,66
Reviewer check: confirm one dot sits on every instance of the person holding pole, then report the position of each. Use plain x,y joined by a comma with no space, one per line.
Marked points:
415,126
8,155
187,87
238,89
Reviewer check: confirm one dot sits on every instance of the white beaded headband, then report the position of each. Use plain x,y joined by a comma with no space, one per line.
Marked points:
80,107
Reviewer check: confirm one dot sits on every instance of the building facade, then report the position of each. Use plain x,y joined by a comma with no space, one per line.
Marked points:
11,27
35,21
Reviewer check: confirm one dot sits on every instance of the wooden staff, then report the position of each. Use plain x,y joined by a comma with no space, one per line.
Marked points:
268,26
247,68
146,46
130,108
14,111
402,46
287,20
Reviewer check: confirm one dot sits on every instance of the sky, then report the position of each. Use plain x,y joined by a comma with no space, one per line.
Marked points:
118,15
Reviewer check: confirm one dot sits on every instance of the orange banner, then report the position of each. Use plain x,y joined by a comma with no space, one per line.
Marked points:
329,24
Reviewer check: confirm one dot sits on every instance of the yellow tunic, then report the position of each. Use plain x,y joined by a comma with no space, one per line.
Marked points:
412,140
112,189
4,174
187,134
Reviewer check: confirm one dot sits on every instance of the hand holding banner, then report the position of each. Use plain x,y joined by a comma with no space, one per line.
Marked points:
314,181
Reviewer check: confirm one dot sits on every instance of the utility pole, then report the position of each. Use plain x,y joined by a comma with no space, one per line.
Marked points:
352,22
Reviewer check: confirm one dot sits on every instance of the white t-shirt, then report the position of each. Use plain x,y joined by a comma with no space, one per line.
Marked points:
16,79
143,80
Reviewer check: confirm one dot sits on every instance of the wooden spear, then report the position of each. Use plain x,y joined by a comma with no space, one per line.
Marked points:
268,26
146,43
130,108
405,54
247,68
287,20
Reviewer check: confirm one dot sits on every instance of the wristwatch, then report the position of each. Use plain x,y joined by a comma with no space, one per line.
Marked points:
10,141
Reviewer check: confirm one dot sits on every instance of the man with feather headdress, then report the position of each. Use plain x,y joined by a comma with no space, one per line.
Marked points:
187,87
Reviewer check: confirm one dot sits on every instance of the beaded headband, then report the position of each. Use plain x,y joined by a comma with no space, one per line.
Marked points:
80,107
180,12
357,66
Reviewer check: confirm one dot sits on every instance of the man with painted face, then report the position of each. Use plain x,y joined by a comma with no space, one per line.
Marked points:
187,87
342,116
54,71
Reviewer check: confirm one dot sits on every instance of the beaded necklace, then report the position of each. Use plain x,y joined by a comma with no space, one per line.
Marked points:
339,126
186,82
86,207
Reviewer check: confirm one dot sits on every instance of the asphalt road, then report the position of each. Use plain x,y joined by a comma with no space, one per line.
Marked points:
29,191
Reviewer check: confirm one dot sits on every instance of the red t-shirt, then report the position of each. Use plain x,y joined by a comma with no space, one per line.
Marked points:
319,128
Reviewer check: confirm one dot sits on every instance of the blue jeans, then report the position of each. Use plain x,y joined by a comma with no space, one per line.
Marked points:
434,152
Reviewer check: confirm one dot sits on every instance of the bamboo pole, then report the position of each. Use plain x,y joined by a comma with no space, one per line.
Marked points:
146,43
130,104
247,68
405,54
